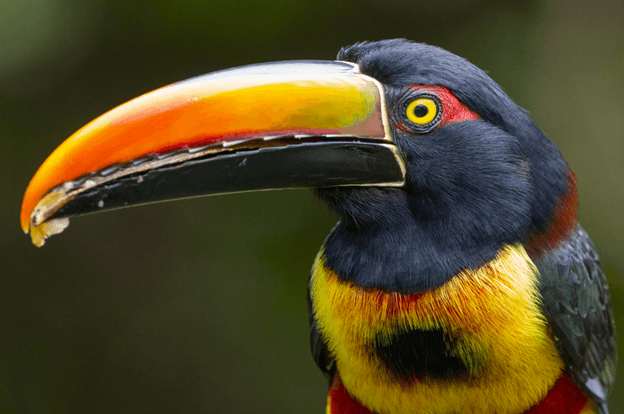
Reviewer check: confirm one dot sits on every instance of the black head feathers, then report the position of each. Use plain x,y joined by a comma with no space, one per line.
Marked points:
472,187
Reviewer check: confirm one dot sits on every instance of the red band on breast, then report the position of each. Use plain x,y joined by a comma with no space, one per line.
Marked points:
341,402
564,398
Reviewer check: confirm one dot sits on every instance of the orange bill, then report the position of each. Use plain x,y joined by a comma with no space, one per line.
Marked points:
287,112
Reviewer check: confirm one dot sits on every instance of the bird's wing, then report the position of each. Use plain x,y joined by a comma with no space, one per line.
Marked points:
320,352
576,302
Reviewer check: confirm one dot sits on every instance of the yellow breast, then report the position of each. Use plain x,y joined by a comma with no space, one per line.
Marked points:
493,313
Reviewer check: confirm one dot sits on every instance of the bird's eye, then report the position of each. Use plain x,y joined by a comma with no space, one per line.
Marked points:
422,111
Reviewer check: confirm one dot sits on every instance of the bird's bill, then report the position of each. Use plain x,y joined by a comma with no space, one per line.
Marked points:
267,126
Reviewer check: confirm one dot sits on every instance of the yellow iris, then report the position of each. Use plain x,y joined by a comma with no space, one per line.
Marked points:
421,111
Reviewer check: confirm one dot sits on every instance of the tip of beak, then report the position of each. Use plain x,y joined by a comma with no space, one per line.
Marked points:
40,233
25,226
37,222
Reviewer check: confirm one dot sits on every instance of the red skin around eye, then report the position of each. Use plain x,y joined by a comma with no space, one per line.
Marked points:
452,109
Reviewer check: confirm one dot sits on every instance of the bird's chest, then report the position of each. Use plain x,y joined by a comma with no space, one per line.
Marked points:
478,344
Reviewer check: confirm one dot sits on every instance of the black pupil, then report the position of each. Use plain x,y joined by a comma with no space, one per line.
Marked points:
421,110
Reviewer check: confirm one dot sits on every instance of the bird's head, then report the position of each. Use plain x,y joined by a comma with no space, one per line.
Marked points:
475,161
401,139
479,174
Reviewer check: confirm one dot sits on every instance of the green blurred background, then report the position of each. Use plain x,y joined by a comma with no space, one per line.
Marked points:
199,306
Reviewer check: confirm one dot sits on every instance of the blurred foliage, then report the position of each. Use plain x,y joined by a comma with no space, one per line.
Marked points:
199,306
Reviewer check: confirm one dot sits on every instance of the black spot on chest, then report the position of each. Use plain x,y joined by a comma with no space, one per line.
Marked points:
420,354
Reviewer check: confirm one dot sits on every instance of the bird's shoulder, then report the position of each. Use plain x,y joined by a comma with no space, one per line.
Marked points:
577,305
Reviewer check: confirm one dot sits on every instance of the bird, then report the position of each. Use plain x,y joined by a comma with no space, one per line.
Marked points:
457,279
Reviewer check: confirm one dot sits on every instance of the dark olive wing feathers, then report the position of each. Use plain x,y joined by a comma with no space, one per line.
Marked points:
576,302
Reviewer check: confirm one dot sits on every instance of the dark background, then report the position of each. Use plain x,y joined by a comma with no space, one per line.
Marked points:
199,306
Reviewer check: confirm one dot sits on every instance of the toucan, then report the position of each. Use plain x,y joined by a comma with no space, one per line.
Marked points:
457,279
